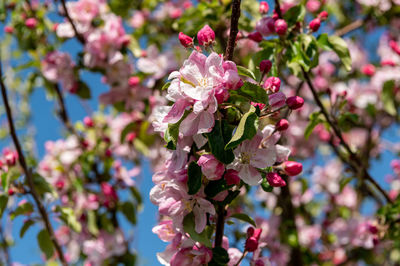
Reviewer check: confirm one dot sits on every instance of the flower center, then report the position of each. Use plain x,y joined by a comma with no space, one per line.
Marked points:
245,157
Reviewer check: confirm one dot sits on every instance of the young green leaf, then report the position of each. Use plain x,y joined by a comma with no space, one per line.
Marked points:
194,178
242,71
189,225
217,143
244,217
253,92
45,243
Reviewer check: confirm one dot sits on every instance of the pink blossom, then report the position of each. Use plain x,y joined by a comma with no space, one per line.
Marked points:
206,36
211,167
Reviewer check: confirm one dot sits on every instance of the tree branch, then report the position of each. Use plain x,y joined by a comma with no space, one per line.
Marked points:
28,173
77,34
349,28
234,30
219,232
278,9
352,156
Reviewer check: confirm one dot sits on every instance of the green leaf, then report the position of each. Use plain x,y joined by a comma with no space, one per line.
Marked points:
3,204
265,185
295,14
194,178
323,42
220,257
243,217
189,225
314,121
83,91
25,227
69,218
340,47
41,185
388,97
253,92
92,223
45,243
166,86
5,181
242,71
22,209
216,186
216,140
347,121
246,129
172,133
129,211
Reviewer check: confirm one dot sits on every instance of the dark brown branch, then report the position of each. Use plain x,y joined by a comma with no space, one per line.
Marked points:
278,9
357,163
230,47
219,233
77,34
28,173
63,112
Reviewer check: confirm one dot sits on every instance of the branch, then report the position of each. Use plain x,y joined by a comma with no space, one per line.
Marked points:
219,233
278,9
336,130
28,173
63,112
77,34
349,28
234,29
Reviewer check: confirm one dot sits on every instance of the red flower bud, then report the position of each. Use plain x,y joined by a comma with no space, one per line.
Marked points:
108,153
282,125
133,81
294,102
185,40
388,62
31,23
272,84
255,36
292,168
11,158
11,192
315,24
265,66
281,27
8,29
131,137
323,15
368,70
264,7
251,244
206,36
275,180
60,184
88,121
232,177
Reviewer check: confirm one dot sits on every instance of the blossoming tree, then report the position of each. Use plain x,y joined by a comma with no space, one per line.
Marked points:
262,122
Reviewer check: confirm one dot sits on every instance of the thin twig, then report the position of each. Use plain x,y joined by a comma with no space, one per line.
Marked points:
338,133
350,27
28,172
234,30
219,232
77,34
278,9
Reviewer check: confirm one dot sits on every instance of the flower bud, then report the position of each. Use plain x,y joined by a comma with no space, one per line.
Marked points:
265,66
255,36
388,62
277,100
282,125
275,180
292,168
11,158
133,81
265,26
60,184
131,137
313,5
11,192
323,15
211,167
185,40
251,244
31,23
264,7
295,102
8,29
206,36
232,177
272,84
88,121
108,153
368,70
281,27
315,24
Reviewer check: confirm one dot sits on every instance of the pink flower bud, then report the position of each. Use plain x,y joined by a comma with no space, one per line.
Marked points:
232,177
373,229
295,102
11,192
272,84
250,231
282,125
264,7
8,29
323,15
368,70
88,121
108,153
260,105
133,81
251,244
185,40
211,167
281,27
292,168
265,66
60,184
315,24
277,100
206,36
131,137
265,26
109,191
388,62
275,180
31,23
313,5
255,36
11,158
